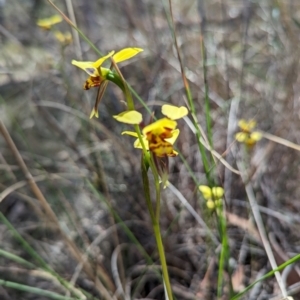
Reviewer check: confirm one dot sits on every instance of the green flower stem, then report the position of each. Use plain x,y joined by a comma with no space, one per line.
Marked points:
120,81
162,257
157,232
223,260
146,186
206,90
145,152
155,224
116,79
157,189
155,218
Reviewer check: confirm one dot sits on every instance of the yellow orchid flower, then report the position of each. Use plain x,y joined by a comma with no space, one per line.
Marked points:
160,135
246,135
47,23
213,196
250,139
63,38
99,75
157,137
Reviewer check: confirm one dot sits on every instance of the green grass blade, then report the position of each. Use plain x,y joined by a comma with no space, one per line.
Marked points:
16,259
34,290
269,274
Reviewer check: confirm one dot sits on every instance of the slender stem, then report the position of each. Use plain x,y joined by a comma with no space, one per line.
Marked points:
121,82
76,28
223,260
147,189
157,210
156,227
161,252
206,88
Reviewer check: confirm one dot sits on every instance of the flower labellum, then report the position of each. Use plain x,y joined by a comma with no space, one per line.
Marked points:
158,134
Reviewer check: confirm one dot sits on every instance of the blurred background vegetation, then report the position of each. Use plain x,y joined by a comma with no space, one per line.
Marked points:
90,175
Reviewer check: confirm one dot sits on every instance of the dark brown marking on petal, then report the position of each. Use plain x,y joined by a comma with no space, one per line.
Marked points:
161,149
92,82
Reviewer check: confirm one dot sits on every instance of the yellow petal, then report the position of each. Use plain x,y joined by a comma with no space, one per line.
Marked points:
174,137
48,22
63,38
206,191
94,113
59,36
247,126
174,112
132,133
68,37
129,117
210,204
126,53
137,144
101,60
241,137
217,193
160,127
256,136
87,66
